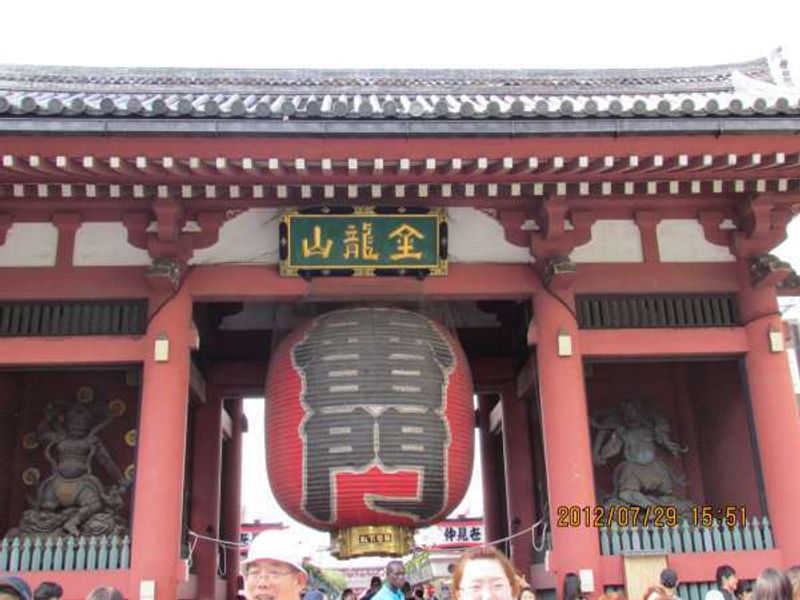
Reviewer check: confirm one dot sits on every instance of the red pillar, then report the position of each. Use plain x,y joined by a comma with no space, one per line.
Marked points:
565,425
156,534
206,488
492,513
774,413
232,493
520,497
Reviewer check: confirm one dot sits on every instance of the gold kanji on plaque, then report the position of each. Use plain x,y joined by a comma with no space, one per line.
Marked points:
359,246
406,237
316,247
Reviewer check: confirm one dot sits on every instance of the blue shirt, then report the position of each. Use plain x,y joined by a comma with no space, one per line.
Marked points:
387,593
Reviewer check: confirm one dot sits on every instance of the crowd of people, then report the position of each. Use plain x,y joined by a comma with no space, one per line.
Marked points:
484,573
481,573
16,588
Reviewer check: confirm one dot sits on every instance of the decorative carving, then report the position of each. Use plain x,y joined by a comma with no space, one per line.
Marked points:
165,270
31,476
132,437
117,407
642,478
767,270
72,500
792,282
558,272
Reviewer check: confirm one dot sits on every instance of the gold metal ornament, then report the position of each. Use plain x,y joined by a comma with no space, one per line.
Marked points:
129,471
31,476
85,394
117,407
132,437
372,540
30,440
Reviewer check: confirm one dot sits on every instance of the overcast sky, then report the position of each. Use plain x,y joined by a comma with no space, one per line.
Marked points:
411,33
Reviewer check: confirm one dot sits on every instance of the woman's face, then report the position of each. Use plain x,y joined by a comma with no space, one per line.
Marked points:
484,578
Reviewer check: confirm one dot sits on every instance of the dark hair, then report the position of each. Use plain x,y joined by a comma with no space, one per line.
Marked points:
668,578
105,593
772,585
485,553
375,581
572,587
48,589
723,572
347,592
744,586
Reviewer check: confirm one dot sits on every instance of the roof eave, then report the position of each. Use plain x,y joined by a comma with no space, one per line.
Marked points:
403,128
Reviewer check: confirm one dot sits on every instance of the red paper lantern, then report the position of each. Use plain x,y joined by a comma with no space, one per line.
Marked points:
369,421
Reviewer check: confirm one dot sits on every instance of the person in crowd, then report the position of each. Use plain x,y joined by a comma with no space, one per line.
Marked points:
374,586
726,584
526,593
348,594
270,573
105,593
654,592
392,588
419,593
14,588
484,570
406,589
668,580
772,585
744,590
794,578
48,590
572,587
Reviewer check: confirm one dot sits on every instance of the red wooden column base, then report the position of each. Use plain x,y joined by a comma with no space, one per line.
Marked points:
233,495
774,414
206,487
565,424
157,507
492,512
520,494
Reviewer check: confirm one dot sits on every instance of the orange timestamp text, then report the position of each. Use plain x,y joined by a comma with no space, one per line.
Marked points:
655,515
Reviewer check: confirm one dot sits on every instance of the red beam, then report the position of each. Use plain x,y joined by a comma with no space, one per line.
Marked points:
66,283
210,147
464,282
663,342
659,278
72,350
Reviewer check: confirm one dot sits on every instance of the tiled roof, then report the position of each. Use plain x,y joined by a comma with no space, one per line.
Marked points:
760,87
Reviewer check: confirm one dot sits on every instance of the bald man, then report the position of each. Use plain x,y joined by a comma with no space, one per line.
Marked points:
395,578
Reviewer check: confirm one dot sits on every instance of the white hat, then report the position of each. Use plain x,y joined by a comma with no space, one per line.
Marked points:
269,546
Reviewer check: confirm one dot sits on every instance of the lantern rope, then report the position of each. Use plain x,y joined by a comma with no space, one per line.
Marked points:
531,529
217,540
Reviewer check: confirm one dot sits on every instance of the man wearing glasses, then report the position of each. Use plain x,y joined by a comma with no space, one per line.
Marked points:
270,574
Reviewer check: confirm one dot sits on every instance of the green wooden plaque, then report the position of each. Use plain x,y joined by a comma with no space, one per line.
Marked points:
363,241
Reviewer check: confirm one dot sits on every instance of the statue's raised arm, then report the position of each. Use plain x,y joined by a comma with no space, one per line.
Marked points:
663,436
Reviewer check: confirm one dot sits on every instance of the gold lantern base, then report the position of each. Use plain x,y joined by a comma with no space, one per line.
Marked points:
372,540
